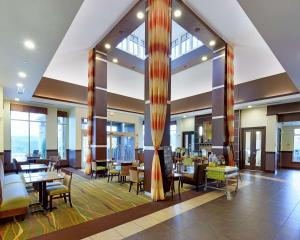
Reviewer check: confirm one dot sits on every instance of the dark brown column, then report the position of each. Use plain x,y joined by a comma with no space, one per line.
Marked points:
100,109
218,102
148,146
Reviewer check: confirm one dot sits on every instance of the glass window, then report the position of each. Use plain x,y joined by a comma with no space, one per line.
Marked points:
28,134
296,152
173,139
62,134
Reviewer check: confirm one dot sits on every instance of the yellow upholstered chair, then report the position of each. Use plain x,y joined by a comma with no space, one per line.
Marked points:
97,169
61,190
112,171
135,177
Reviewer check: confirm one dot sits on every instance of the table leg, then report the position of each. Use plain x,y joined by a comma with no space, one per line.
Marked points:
40,192
205,184
45,198
179,183
172,187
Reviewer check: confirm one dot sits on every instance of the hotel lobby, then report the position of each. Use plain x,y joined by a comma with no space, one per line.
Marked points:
149,119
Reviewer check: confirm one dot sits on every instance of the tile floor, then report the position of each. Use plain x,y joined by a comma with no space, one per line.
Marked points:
266,207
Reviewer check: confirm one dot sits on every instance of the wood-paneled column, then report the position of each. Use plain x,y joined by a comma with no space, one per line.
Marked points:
219,102
100,110
148,145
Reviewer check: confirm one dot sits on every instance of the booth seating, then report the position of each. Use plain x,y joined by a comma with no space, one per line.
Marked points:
197,178
14,199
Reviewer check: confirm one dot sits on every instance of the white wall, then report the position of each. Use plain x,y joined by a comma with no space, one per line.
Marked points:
193,81
6,118
123,81
287,138
1,121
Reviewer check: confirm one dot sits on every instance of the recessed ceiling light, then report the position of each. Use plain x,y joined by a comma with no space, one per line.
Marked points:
184,116
17,99
212,43
107,46
29,44
204,58
22,75
177,13
249,106
115,60
20,85
140,15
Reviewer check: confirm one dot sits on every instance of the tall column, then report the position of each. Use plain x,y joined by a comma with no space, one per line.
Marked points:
148,145
100,110
219,102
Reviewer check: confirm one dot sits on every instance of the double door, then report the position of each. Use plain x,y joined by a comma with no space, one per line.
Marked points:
253,152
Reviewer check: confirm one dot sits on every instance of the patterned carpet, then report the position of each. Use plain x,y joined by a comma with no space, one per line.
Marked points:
91,199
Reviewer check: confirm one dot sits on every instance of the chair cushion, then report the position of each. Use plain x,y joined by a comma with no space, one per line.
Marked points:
56,190
114,171
100,168
188,162
14,196
13,178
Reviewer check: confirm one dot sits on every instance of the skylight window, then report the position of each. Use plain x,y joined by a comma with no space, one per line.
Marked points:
182,42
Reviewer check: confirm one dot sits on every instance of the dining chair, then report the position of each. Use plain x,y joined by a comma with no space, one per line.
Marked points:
112,171
124,172
97,169
135,177
61,191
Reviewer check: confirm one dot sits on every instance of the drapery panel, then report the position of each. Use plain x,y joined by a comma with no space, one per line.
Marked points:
159,30
230,103
91,88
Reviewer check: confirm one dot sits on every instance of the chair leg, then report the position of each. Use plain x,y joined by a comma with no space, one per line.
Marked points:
65,198
137,188
130,185
108,178
50,204
70,200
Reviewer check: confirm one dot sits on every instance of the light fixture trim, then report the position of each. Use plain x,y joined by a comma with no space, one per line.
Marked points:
250,106
115,60
107,46
204,58
212,43
22,74
177,13
140,15
29,44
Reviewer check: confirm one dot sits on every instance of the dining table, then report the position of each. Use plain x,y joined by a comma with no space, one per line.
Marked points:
41,178
33,167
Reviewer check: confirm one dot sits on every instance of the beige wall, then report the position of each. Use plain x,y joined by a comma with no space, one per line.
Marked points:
6,119
271,133
184,125
1,121
287,138
51,130
254,117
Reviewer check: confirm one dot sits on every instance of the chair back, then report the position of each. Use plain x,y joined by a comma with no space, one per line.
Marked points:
133,174
94,165
125,169
68,180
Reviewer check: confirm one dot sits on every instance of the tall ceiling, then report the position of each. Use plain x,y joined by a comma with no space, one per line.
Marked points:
253,57
95,18
278,22
44,22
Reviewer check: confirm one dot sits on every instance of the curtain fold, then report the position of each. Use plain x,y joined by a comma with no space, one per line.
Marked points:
91,82
159,30
230,103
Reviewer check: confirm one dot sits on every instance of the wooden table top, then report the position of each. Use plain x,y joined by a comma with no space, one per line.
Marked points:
42,177
27,167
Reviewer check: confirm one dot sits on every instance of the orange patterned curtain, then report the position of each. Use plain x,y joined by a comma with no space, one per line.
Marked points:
159,30
91,81
230,103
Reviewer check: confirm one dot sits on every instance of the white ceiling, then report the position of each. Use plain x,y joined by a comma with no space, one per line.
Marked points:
95,18
278,22
253,57
45,22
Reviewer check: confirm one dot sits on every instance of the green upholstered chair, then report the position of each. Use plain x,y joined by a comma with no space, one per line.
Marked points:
188,161
135,177
97,169
112,171
61,191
